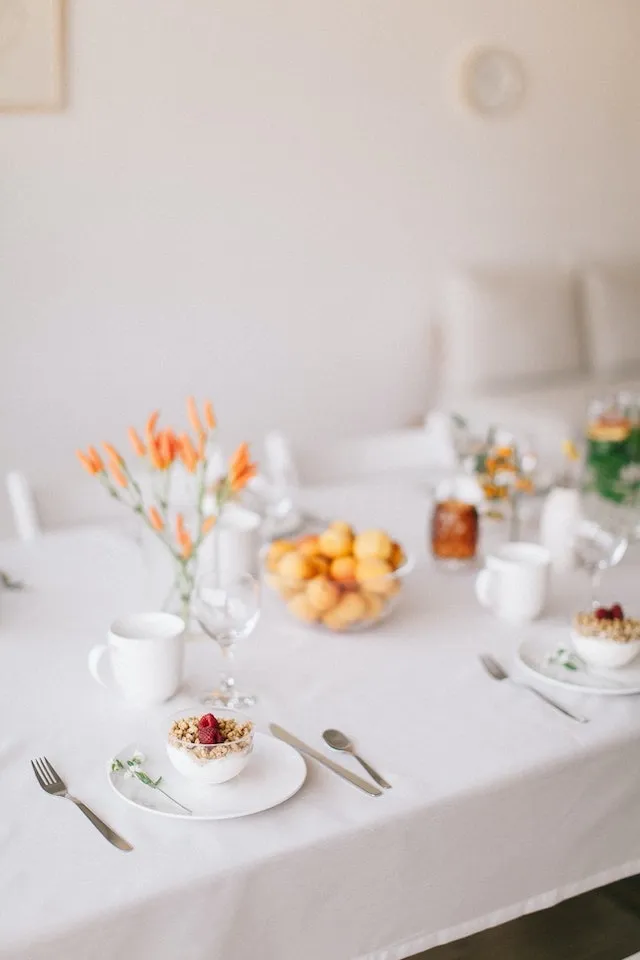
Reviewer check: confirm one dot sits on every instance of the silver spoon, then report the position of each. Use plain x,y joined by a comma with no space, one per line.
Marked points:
338,741
495,670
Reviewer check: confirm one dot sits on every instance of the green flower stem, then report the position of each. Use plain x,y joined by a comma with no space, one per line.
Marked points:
117,766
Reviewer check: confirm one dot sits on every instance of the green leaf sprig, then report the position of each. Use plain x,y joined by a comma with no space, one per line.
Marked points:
132,768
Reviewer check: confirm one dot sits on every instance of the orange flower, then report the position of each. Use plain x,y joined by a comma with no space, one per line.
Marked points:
173,440
96,459
209,415
113,453
493,492
137,444
150,428
202,446
184,539
117,474
155,519
241,470
186,546
166,448
524,484
87,463
504,453
194,417
188,453
154,453
181,531
243,478
208,525
239,459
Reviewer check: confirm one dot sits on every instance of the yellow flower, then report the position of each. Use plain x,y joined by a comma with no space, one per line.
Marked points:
570,450
524,484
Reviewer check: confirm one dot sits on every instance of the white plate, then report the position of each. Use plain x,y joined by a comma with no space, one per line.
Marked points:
274,773
533,654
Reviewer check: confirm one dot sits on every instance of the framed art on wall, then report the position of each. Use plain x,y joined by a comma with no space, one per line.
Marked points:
31,55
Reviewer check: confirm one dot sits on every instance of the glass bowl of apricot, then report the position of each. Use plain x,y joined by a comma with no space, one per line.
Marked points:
338,579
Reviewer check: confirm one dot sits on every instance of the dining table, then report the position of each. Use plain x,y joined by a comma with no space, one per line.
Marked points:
498,805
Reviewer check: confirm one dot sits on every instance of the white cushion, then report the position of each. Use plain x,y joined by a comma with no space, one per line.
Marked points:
612,316
510,327
404,452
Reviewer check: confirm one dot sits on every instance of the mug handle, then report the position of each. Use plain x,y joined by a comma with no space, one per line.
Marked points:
95,656
484,591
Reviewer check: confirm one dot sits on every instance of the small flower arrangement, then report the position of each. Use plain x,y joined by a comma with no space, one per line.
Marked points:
164,451
501,469
504,475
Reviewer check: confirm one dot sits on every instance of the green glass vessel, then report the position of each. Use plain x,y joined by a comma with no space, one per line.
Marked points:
612,467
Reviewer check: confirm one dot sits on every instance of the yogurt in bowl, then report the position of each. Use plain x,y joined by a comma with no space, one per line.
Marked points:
208,748
605,638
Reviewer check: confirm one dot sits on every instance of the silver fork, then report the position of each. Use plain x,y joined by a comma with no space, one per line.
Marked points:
495,670
52,783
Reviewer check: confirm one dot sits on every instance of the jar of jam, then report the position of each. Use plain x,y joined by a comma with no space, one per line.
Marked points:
454,522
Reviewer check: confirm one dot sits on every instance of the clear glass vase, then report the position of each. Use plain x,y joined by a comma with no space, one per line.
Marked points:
205,561
180,597
170,583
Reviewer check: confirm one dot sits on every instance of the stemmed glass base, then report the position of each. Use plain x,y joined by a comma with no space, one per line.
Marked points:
226,695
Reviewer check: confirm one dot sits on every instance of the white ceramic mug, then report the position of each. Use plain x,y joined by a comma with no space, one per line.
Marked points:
514,582
146,652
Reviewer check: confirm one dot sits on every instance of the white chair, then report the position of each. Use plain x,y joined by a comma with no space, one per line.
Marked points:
34,508
22,506
529,348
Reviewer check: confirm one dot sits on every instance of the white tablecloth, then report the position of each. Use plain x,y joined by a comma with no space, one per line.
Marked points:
499,806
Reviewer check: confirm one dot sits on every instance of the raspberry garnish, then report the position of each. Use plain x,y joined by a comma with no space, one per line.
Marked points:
616,612
209,735
601,613
208,720
208,729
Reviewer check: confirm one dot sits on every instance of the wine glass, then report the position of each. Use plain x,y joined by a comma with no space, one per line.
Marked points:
227,614
597,549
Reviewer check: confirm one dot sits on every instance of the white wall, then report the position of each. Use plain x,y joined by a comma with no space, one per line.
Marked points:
253,199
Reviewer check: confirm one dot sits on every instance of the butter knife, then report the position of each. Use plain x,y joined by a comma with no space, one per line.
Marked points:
320,757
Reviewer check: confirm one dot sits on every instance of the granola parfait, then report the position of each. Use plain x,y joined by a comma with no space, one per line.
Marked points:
606,637
210,749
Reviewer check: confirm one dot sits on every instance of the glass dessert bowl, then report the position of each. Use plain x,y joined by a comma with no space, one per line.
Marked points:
605,638
208,748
